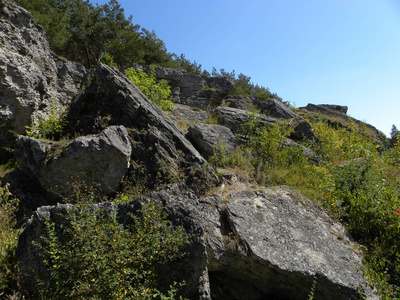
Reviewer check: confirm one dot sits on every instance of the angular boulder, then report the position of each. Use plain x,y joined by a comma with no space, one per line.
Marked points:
234,118
95,161
208,137
267,244
160,151
111,99
275,108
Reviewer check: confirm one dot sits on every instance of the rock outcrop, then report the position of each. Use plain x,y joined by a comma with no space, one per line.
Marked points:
193,90
208,137
336,115
160,151
31,76
275,108
269,244
235,118
95,161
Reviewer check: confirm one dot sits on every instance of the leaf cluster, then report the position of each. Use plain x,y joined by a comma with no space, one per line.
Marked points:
93,256
8,239
158,92
51,127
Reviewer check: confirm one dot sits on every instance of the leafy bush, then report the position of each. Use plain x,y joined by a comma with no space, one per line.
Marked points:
50,128
98,258
8,239
158,92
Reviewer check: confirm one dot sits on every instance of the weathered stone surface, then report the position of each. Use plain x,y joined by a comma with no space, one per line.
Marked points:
207,137
99,161
269,244
275,108
234,118
111,99
326,108
186,116
29,74
240,102
160,151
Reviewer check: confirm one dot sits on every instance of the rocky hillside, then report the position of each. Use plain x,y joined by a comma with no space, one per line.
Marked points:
247,241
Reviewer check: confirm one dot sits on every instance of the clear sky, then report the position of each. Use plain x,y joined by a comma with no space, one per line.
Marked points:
344,52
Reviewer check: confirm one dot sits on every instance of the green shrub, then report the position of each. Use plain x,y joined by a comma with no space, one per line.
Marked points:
8,239
50,128
158,92
98,258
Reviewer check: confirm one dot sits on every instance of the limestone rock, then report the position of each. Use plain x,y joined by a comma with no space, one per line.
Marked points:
269,244
111,99
160,151
234,118
29,75
207,137
186,116
98,161
275,108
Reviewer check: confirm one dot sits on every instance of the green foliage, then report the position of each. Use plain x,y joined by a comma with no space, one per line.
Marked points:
181,62
156,91
50,128
244,87
8,239
81,31
98,258
108,60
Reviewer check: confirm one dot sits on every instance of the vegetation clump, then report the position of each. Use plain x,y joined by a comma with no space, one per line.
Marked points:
96,257
8,239
158,92
51,127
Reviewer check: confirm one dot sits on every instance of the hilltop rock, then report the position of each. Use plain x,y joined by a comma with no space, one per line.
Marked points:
235,118
275,108
270,244
95,161
29,75
336,115
193,90
207,137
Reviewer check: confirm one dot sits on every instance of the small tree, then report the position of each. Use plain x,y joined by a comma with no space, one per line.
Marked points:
158,92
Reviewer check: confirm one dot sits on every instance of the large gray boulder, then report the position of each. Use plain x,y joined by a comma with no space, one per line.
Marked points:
235,118
275,108
112,99
160,151
29,75
267,244
95,161
208,137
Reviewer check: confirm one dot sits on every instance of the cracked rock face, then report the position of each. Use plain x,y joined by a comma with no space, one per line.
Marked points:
98,161
267,244
29,74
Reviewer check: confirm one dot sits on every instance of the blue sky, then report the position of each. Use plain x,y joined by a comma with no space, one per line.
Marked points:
343,52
